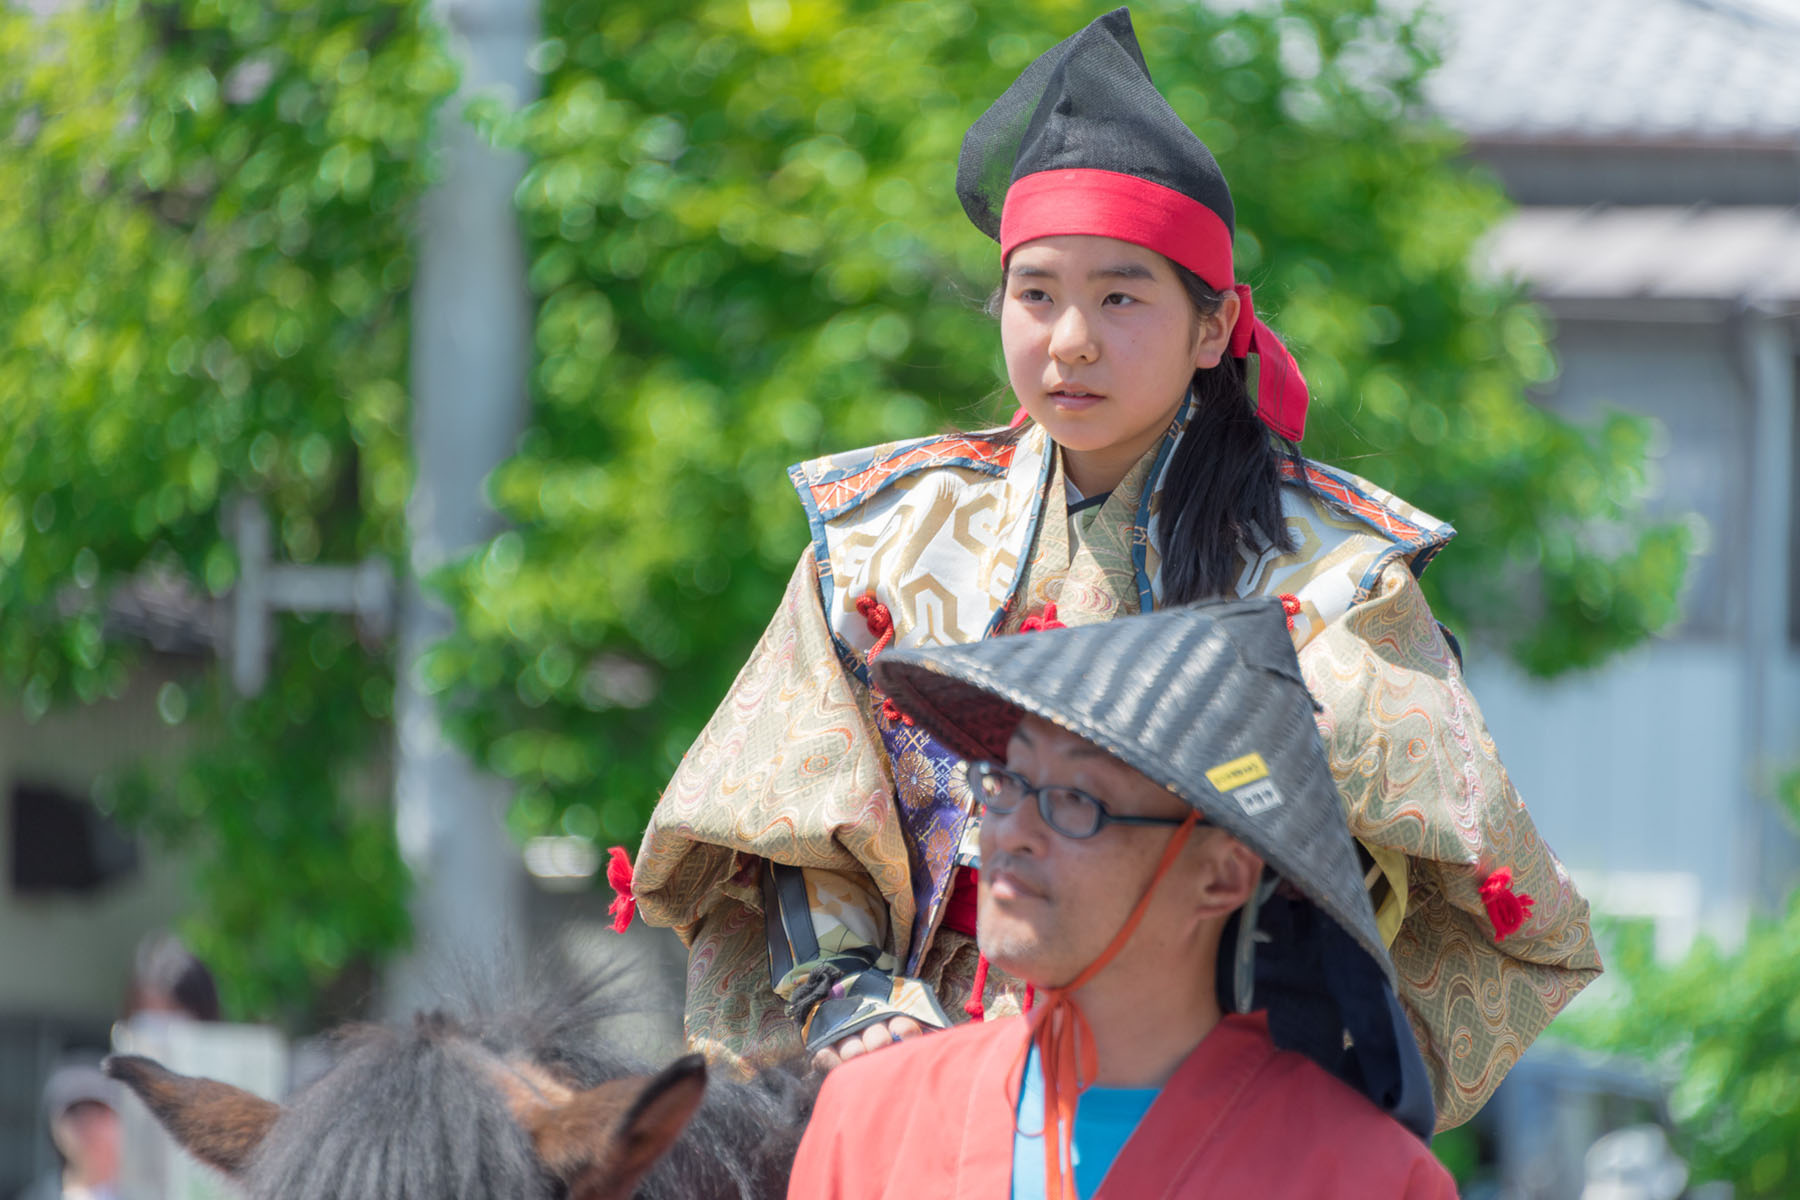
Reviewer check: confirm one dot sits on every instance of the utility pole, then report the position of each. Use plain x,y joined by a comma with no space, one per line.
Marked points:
1767,346
471,356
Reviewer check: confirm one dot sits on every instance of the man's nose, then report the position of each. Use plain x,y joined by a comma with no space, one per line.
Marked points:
1021,831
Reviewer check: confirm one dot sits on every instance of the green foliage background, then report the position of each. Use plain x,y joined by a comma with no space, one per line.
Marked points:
748,252
1725,1025
205,209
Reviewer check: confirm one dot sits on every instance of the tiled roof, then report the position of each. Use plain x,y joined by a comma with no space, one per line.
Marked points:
1626,70
1652,252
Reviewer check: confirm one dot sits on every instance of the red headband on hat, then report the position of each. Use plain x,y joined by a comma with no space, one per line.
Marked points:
1181,229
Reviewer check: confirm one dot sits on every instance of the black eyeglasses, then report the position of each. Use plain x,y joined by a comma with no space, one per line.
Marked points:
1070,811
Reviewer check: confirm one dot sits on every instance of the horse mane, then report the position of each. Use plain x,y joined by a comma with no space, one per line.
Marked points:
413,1111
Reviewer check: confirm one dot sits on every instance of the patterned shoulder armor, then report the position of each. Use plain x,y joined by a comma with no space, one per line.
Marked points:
1346,533
837,484
931,528
1412,531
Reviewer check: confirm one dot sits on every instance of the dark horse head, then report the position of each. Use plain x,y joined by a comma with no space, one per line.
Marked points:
521,1106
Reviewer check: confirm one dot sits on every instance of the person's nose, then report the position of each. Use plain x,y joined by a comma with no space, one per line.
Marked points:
1072,338
1021,831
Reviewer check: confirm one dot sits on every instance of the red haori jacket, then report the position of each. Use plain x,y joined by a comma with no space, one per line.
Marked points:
1239,1117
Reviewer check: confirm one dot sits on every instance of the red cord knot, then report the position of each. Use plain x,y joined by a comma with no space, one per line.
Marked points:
1505,908
1290,604
618,874
975,1009
880,620
1044,620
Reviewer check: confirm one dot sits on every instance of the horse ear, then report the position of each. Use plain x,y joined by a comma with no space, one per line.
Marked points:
601,1142
218,1124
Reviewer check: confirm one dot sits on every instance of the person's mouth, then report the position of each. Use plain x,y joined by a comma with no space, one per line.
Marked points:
1074,395
1005,885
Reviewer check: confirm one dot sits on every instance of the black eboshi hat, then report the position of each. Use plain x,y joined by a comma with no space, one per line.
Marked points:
1083,143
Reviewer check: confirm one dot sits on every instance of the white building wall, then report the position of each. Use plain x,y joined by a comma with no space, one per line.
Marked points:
1684,378
1651,775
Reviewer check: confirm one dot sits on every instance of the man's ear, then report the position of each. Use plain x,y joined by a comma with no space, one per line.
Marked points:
1225,875
1214,333
218,1124
603,1141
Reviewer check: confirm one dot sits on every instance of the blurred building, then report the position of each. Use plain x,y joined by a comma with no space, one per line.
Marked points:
76,894
1653,147
1534,1136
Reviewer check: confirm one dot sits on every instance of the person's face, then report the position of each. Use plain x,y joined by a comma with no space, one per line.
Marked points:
1049,904
87,1134
1102,341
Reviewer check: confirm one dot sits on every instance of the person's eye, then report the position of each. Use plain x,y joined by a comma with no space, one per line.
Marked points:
1118,300
1073,801
1033,295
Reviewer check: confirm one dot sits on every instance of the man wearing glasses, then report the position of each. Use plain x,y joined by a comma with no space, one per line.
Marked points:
1165,860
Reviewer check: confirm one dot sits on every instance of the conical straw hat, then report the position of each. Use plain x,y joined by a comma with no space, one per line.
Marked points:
1207,701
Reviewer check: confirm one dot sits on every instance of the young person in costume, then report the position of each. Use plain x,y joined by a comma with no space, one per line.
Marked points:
817,851
1164,856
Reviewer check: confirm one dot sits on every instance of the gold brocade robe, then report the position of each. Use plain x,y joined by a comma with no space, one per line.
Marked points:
962,537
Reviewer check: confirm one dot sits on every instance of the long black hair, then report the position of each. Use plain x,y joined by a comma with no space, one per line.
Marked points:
1221,491
1222,488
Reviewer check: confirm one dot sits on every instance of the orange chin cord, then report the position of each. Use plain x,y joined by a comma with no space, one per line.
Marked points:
1065,1042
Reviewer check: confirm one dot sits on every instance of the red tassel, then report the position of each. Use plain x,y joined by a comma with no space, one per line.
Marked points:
1030,997
974,1007
1505,908
618,873
1044,620
1290,604
881,624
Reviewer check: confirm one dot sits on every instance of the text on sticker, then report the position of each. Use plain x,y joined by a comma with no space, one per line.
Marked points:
1238,772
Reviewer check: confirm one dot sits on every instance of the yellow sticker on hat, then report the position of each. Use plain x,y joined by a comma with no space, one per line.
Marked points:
1238,772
